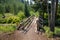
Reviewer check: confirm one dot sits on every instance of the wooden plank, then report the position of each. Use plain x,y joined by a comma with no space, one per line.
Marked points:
26,23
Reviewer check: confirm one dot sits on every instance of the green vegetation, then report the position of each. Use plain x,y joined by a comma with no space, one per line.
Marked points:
57,20
57,30
7,28
9,18
11,6
15,11
21,15
49,33
27,14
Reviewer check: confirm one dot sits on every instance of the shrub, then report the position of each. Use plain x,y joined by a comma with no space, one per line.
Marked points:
21,15
57,30
2,20
48,33
37,14
10,18
32,13
45,16
7,28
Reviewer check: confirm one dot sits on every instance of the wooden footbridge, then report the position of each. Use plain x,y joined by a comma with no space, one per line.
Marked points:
25,24
27,30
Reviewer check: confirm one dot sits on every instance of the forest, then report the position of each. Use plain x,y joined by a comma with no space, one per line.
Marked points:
14,12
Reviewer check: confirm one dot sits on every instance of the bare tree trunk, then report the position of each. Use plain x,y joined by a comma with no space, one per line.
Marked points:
53,9
51,14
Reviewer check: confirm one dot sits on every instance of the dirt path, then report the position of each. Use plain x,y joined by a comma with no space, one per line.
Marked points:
30,35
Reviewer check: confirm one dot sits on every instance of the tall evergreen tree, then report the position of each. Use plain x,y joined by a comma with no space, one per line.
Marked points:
27,14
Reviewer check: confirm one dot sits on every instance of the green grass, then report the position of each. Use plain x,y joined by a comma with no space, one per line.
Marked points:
7,28
49,33
57,30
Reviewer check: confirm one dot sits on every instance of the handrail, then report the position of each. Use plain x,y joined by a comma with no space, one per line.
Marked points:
25,24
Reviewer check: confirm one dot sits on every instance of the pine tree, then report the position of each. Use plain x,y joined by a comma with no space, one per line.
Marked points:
27,14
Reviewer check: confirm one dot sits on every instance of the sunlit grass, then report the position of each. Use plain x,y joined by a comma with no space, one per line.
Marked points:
9,28
57,29
49,33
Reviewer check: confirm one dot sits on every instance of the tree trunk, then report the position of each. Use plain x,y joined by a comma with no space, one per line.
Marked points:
51,14
53,9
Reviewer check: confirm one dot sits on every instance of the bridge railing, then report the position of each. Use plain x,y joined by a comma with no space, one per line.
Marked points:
40,25
25,23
